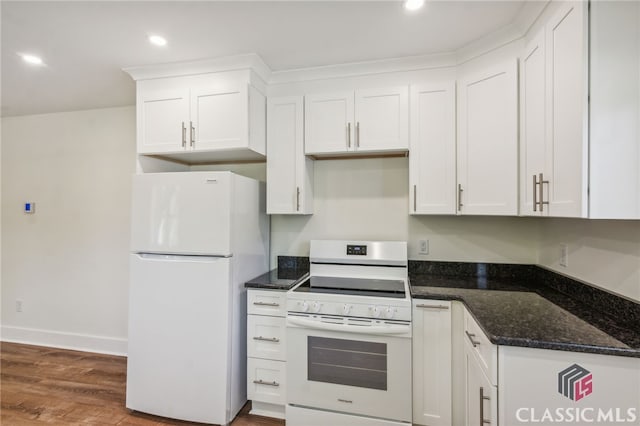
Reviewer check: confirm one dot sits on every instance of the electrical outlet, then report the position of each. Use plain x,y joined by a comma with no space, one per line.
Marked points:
564,255
18,305
424,247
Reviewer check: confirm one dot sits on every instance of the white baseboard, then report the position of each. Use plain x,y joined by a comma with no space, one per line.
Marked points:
57,339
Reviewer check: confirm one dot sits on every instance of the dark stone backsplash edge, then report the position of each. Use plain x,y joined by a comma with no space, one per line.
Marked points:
300,263
625,312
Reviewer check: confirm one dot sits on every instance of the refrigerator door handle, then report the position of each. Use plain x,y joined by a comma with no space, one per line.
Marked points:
179,257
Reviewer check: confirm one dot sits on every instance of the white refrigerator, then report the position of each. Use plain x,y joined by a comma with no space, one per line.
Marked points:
196,237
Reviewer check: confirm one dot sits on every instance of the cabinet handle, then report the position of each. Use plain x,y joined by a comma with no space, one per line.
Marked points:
357,134
262,382
444,307
475,343
414,198
460,190
184,135
346,401
297,198
267,339
192,134
535,192
483,421
349,135
266,304
541,202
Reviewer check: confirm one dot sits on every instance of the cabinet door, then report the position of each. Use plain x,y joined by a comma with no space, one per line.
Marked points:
163,120
329,126
567,151
488,142
481,396
432,163
219,117
382,119
432,362
532,125
289,172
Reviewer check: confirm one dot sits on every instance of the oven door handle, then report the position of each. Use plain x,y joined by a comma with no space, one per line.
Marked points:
360,329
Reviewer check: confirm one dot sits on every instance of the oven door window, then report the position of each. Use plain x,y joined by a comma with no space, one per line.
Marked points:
347,362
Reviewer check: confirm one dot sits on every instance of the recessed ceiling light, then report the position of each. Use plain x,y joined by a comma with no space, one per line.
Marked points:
413,4
31,59
157,40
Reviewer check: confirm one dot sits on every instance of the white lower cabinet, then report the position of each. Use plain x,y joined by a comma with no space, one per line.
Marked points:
481,375
266,354
481,396
432,362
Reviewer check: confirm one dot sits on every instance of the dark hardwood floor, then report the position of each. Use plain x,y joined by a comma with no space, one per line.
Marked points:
55,386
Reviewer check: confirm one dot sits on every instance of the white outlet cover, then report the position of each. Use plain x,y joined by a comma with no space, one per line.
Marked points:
564,255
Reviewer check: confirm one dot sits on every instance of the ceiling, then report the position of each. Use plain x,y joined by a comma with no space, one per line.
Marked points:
85,44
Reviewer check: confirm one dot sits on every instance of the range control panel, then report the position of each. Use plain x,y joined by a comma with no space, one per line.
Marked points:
357,250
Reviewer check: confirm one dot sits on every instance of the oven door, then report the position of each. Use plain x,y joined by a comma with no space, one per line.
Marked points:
358,369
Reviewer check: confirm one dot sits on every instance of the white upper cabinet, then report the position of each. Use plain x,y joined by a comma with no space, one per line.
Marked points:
615,111
208,117
289,172
163,118
382,119
553,116
532,124
566,90
488,141
432,163
360,122
217,119
329,123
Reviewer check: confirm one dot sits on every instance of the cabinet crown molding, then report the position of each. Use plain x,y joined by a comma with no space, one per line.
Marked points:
177,69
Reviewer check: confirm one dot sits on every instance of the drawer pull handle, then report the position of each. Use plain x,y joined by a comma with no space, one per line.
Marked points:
262,382
266,304
475,343
267,339
483,421
345,400
444,307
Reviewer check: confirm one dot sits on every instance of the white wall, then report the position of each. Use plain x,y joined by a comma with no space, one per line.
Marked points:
68,262
604,253
369,199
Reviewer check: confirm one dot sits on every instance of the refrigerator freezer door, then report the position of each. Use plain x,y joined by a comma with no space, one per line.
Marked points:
179,337
182,213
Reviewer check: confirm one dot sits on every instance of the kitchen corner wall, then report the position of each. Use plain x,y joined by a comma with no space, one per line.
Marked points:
604,253
68,262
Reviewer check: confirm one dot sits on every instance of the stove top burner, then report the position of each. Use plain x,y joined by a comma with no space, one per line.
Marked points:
353,286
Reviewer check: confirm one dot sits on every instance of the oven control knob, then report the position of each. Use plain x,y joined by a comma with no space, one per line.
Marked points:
389,312
375,311
304,306
315,307
346,308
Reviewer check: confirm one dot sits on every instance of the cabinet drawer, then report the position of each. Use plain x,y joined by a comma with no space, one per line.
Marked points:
266,380
266,337
485,351
267,302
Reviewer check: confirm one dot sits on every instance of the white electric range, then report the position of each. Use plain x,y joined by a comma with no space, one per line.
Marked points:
349,336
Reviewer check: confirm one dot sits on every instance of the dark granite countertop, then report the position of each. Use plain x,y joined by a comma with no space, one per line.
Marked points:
277,279
515,311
